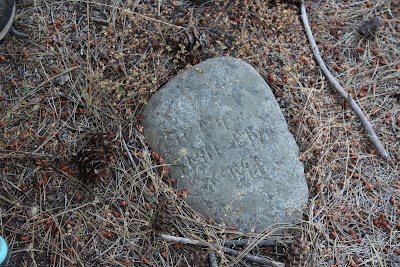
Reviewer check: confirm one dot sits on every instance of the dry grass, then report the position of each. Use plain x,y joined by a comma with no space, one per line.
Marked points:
78,75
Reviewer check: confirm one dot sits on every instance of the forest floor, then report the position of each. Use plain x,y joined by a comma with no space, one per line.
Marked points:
90,66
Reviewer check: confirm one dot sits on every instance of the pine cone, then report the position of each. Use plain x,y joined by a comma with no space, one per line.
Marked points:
92,159
166,215
192,37
297,254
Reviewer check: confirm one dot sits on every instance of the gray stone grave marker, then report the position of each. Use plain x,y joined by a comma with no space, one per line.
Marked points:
220,126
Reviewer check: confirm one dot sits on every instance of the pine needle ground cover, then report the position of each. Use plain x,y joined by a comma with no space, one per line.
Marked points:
70,103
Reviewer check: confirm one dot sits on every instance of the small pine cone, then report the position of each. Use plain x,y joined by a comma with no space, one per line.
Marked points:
297,254
92,159
192,37
166,215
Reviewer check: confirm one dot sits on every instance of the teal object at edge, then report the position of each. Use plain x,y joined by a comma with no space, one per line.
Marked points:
3,252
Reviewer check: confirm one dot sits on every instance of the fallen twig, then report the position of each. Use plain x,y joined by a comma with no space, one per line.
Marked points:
121,136
101,21
212,259
18,34
184,240
4,154
335,84
256,259
128,152
244,242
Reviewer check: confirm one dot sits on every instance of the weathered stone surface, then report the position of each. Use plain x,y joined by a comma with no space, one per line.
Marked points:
221,127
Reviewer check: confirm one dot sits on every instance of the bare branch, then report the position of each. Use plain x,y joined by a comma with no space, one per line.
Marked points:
212,259
260,260
18,34
256,259
128,152
335,84
101,21
245,242
184,240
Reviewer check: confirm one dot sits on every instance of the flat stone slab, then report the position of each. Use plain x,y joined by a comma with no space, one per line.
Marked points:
220,126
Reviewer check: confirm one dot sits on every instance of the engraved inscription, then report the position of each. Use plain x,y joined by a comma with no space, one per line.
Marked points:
247,169
202,153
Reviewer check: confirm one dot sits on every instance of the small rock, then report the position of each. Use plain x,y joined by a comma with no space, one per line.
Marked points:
369,27
61,79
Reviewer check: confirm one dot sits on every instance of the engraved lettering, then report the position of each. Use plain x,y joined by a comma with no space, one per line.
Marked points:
216,150
256,134
227,121
211,187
